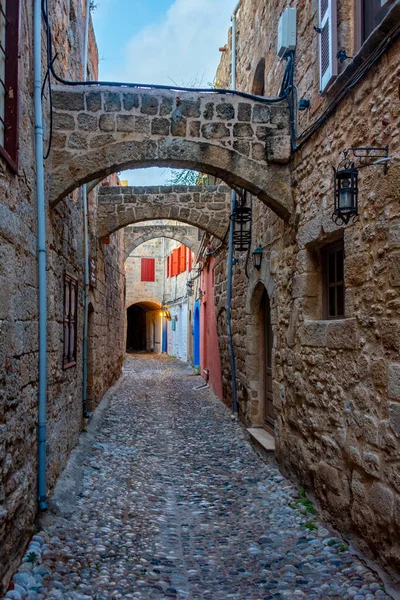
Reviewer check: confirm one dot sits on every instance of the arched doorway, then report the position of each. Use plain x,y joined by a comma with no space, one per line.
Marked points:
267,340
196,335
136,329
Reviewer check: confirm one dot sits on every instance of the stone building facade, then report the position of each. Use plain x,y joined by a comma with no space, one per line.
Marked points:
19,297
335,382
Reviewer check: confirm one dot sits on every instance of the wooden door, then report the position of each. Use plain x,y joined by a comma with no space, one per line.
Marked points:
269,413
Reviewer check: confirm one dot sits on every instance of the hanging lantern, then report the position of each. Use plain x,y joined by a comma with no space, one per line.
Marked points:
346,195
167,314
241,223
189,288
257,255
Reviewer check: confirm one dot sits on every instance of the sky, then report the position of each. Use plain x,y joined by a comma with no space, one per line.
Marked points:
160,41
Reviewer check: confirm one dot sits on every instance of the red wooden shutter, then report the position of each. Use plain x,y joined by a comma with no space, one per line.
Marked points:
190,260
148,269
327,42
167,266
175,261
183,259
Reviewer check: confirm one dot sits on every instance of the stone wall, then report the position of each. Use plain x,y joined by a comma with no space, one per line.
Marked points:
336,383
145,291
19,302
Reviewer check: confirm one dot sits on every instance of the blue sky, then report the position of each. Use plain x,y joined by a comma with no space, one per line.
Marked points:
160,41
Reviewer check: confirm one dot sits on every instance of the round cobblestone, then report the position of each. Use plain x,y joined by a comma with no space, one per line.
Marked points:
175,503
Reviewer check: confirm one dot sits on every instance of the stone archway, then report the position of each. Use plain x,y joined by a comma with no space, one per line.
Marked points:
137,235
206,208
243,141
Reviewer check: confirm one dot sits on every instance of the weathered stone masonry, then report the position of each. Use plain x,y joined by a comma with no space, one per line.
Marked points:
336,383
103,130
136,235
204,207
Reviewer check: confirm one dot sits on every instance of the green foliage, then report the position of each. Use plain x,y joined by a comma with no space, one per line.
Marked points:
331,543
303,501
343,548
32,558
185,177
84,430
310,526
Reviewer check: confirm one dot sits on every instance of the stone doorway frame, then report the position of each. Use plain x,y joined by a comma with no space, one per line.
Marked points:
258,282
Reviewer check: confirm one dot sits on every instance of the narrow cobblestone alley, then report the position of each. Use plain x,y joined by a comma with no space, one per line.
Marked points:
175,503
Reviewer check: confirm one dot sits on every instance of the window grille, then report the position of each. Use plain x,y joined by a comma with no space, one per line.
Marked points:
3,57
9,52
333,280
70,320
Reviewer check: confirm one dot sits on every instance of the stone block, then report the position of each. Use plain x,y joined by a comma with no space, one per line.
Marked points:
394,235
305,285
160,126
87,122
130,100
215,131
166,106
103,139
68,100
243,130
178,128
313,333
342,334
394,269
263,132
190,108
242,147
142,125
394,381
278,148
225,111
261,113
208,113
6,294
194,129
112,101
327,476
244,112
394,417
107,123
390,335
125,123
63,121
381,500
77,140
258,152
93,101
149,105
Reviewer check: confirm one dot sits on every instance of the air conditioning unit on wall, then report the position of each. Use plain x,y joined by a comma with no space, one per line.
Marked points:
287,32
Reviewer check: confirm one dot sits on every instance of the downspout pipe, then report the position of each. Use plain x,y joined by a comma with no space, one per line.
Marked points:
42,276
86,414
230,248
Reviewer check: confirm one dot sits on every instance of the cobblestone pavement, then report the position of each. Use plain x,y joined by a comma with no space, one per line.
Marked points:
175,503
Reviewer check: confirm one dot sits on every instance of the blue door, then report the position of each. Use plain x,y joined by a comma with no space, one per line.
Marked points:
165,336
196,334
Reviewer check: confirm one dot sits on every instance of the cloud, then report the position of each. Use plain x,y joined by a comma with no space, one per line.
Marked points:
181,48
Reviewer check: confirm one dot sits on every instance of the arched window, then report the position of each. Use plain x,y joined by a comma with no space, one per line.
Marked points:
258,81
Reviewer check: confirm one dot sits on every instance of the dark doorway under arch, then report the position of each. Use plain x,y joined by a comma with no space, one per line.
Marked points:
258,81
136,329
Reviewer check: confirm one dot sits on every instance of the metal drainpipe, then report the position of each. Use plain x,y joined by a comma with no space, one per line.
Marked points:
230,251
42,276
86,238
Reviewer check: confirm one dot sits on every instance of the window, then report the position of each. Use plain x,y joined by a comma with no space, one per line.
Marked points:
333,280
148,269
182,265
70,320
372,13
9,29
327,42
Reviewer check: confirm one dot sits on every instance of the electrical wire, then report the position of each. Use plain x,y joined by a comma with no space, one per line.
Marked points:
176,88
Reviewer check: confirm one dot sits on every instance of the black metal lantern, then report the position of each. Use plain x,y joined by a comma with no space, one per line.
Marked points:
241,223
257,257
189,287
346,195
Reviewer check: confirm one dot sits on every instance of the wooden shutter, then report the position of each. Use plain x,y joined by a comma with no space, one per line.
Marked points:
148,269
327,42
183,259
190,260
175,261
